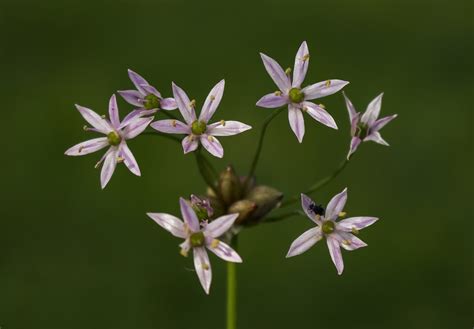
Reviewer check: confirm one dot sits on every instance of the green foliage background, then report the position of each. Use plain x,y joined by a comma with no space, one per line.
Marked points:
73,256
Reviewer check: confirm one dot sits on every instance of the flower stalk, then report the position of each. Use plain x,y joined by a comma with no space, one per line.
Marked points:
232,290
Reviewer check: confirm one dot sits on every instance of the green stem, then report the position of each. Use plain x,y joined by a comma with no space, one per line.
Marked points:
316,186
204,170
232,290
260,143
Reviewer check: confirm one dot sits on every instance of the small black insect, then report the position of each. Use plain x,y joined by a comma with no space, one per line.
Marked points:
317,209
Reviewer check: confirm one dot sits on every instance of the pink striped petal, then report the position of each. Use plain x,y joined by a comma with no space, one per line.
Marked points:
134,115
349,241
305,241
189,215
220,225
323,88
224,251
373,111
212,101
319,114
276,73
357,223
350,108
379,124
273,101
335,252
301,65
190,144
114,112
108,167
129,159
171,127
376,137
170,223
184,104
168,104
138,81
151,90
95,120
133,97
203,268
295,117
212,145
306,202
355,142
227,128
87,147
336,205
136,127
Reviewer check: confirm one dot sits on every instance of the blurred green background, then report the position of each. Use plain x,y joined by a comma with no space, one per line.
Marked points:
74,256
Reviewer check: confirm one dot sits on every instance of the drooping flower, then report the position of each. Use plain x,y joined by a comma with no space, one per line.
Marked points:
199,238
117,133
366,127
198,130
337,233
146,97
290,92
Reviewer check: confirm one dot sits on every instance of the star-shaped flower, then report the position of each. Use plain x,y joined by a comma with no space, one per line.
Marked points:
146,97
338,234
117,133
297,98
366,127
199,238
198,130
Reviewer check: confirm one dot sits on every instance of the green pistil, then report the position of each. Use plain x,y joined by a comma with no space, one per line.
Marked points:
151,102
362,131
198,127
328,227
197,239
114,138
296,96
201,212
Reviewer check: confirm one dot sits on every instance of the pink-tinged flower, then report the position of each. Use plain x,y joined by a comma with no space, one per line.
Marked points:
198,129
290,92
117,133
338,234
366,127
202,207
146,97
199,238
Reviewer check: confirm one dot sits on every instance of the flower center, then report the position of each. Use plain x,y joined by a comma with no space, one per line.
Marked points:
362,131
328,227
197,239
296,96
198,127
317,209
114,138
151,102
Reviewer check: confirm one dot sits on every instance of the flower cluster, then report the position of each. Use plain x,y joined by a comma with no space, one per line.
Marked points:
233,202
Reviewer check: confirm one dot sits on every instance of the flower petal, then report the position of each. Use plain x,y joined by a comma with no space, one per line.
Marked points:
95,120
379,124
168,104
336,205
135,115
323,88
306,202
212,101
108,167
138,81
212,145
350,108
171,127
276,73
295,117
319,114
114,112
227,128
136,127
170,223
220,225
129,159
190,143
224,251
87,147
184,104
355,142
357,223
376,137
132,97
272,101
373,110
151,90
350,242
335,252
301,65
305,241
189,215
203,268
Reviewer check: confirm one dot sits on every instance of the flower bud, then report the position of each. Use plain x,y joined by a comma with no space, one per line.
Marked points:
244,208
230,188
266,198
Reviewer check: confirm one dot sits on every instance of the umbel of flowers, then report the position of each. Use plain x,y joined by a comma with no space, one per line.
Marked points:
233,201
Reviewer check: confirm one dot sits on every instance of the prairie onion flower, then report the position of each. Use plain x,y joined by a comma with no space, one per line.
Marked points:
116,135
290,92
337,233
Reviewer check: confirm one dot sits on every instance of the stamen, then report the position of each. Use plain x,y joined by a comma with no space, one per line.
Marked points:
222,123
277,93
103,116
85,128
342,214
288,71
192,103
346,242
354,231
173,123
80,149
322,106
215,243
304,109
120,159
213,97
305,57
210,138
328,83
205,266
97,164
183,252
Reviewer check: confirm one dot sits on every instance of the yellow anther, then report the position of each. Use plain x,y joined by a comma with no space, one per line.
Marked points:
305,57
85,128
205,266
192,103
173,123
288,71
214,243
103,116
328,83
277,93
317,217
183,252
80,149
210,138
342,214
322,106
120,159
222,122
97,165
354,231
304,109
346,242
213,97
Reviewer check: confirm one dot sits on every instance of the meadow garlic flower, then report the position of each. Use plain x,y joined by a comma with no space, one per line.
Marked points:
117,133
290,92
366,127
199,237
337,233
198,129
146,97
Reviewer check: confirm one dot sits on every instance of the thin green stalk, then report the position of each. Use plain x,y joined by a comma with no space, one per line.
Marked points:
256,157
204,170
232,290
316,186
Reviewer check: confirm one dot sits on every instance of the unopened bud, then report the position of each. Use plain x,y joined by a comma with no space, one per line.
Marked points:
229,186
266,198
244,208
